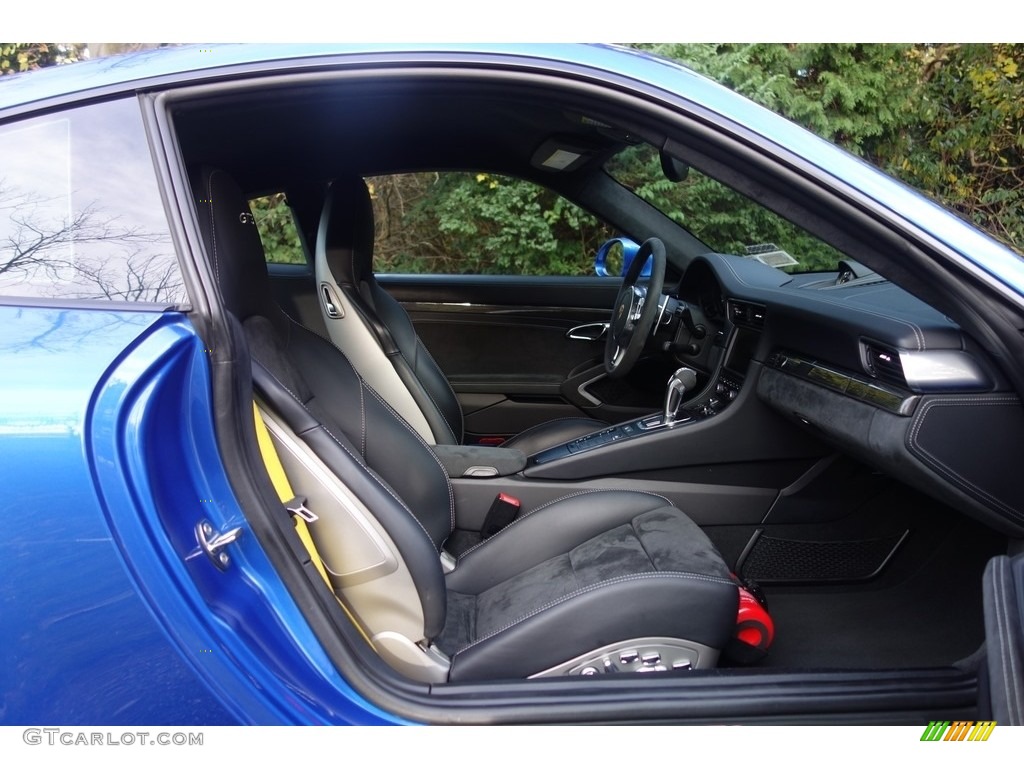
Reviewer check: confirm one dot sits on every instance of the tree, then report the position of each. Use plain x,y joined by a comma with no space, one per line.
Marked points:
22,57
970,149
39,248
946,118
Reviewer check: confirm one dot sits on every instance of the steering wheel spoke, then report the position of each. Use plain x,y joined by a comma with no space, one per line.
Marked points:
633,315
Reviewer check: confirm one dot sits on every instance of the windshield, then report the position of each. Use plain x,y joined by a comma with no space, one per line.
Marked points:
721,217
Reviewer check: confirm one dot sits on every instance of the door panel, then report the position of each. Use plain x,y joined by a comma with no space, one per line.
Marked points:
504,344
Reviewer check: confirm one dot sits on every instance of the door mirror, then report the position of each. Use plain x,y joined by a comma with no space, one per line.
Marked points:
614,257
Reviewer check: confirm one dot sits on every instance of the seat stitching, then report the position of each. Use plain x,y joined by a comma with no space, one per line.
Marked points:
403,422
555,501
462,423
430,452
213,224
426,391
362,419
355,458
1003,650
385,486
683,575
444,419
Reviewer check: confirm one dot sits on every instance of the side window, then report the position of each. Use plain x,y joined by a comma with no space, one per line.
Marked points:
277,230
479,223
80,213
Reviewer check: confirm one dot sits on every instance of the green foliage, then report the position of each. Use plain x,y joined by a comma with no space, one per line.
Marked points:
854,94
480,223
971,151
22,57
277,230
948,119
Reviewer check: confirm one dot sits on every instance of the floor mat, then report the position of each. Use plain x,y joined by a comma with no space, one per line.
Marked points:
931,618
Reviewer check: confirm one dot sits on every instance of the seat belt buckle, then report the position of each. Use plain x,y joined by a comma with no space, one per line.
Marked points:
297,507
503,511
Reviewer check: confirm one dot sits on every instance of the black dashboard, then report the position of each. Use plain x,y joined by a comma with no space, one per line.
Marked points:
862,365
857,364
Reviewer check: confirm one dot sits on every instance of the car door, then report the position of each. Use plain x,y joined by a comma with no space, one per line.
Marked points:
91,302
132,589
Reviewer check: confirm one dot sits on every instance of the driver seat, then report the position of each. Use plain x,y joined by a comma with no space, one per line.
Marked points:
378,336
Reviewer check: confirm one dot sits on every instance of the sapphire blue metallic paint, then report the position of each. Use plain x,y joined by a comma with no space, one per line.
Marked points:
77,638
109,614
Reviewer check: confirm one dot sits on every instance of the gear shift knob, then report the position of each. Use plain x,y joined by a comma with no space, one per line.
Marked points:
678,383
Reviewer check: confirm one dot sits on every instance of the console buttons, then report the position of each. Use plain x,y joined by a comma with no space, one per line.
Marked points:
650,658
628,657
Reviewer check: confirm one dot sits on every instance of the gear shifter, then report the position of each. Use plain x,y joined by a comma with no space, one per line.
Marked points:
678,383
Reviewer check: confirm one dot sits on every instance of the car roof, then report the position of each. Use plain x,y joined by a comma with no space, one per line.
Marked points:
197,62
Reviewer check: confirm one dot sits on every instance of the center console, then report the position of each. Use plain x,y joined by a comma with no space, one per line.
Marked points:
714,398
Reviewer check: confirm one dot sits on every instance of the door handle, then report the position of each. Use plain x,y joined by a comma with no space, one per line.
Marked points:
588,332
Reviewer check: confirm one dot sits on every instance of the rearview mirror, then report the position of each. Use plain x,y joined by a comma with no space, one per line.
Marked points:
674,169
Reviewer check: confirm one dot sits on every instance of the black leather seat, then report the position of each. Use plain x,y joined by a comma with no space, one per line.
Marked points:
591,571
345,257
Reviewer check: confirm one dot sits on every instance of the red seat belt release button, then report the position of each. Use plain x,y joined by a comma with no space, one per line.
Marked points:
503,511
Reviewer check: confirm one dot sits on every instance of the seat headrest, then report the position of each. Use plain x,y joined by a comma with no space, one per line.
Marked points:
229,229
345,236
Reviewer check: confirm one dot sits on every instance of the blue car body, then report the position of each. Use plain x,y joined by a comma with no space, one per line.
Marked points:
110,613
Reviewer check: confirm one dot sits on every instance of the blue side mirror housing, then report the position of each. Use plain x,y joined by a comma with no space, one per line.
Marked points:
616,249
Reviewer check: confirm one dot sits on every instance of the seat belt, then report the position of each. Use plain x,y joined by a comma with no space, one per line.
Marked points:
279,479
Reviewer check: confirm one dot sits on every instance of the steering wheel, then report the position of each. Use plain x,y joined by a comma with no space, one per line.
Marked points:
632,314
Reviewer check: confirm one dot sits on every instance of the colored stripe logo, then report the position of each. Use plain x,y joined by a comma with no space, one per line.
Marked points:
959,730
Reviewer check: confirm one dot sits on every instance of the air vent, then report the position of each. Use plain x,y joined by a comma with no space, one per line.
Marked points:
884,363
749,315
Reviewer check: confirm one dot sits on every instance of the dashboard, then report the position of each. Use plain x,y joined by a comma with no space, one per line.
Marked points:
863,365
850,360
